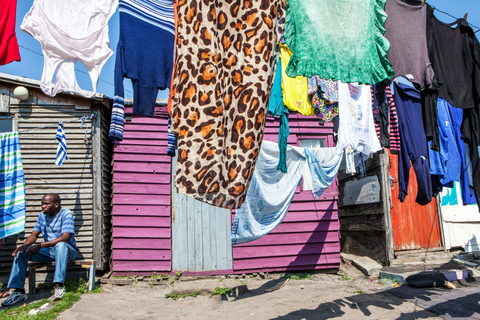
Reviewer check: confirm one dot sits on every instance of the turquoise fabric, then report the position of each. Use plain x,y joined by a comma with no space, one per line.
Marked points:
276,108
338,39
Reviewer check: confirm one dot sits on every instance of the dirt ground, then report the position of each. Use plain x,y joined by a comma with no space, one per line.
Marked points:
325,296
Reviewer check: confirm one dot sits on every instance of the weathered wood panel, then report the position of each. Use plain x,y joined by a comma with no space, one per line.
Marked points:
75,180
365,210
141,197
308,238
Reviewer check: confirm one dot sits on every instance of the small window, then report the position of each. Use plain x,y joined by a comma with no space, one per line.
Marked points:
6,124
312,143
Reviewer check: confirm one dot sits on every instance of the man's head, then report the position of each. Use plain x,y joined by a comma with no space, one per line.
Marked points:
51,204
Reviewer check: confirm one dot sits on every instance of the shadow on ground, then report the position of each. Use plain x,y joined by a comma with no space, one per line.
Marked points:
460,303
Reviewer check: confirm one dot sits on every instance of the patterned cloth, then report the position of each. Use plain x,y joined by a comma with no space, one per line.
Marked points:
338,39
12,186
221,88
62,145
324,97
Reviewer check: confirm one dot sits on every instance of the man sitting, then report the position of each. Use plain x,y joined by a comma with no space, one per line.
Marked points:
56,225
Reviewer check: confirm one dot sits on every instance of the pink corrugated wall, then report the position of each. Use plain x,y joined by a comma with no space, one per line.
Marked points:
308,238
141,197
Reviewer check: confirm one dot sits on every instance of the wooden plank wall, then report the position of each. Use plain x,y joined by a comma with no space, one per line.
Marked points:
103,178
365,226
142,196
308,238
73,180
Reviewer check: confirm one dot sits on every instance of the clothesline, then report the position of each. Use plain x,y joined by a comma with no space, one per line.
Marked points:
448,14
85,118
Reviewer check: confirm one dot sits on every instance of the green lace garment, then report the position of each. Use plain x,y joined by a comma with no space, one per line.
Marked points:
338,39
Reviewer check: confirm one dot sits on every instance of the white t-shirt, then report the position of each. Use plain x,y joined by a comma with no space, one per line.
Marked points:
356,127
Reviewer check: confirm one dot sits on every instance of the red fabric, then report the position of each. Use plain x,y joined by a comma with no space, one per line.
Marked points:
8,41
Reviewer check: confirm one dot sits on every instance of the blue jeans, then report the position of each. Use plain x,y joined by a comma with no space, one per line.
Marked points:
62,253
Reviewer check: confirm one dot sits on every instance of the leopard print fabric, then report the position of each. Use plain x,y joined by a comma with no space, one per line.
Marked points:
221,85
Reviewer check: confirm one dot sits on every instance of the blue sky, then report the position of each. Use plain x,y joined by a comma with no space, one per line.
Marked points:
31,65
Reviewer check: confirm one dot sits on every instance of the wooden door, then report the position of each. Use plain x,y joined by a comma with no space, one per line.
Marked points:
201,233
414,226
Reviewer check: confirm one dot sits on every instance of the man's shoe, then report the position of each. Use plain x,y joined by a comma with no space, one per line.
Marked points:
59,292
15,297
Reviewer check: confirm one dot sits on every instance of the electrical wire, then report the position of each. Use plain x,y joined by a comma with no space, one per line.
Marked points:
448,14
83,119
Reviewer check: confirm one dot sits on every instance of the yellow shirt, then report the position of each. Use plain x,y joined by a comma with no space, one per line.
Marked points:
295,90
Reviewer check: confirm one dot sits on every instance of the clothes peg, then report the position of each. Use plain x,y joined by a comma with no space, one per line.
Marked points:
465,16
423,2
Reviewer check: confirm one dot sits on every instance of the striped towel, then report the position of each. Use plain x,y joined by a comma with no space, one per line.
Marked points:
172,140
118,119
12,186
62,145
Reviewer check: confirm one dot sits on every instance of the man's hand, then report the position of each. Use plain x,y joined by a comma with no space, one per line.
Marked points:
22,248
33,250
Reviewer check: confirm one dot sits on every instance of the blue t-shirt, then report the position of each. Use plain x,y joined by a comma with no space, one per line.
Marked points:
53,227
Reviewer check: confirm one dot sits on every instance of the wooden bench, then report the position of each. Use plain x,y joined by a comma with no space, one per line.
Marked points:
85,264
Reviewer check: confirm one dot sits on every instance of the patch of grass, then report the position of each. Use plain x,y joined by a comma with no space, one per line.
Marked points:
73,288
401,263
173,296
176,296
176,278
388,282
346,277
220,291
298,276
359,291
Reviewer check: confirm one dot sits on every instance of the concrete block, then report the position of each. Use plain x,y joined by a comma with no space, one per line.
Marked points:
365,264
465,263
465,256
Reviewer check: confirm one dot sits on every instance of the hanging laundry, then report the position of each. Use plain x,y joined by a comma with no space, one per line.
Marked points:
145,54
466,185
323,95
413,144
276,108
8,40
295,89
356,120
221,89
447,163
12,186
339,40
70,31
171,140
455,55
468,191
62,145
272,191
385,117
406,30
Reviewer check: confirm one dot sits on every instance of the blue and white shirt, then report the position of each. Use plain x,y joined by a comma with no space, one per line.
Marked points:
53,227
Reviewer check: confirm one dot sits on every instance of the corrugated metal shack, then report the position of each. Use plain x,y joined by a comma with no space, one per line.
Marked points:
83,181
157,230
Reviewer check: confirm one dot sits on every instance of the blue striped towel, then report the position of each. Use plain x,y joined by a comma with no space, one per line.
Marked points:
62,145
171,140
12,186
